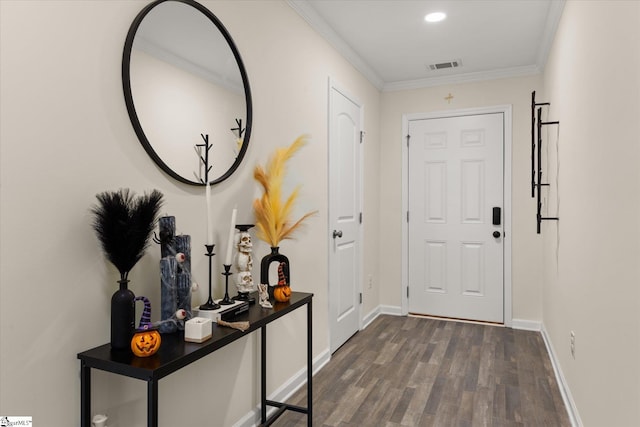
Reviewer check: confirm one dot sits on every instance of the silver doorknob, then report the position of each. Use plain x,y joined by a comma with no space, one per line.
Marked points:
337,233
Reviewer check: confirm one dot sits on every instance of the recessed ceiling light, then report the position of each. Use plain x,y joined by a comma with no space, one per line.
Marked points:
435,17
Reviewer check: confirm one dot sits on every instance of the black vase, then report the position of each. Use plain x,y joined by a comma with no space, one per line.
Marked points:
274,256
123,313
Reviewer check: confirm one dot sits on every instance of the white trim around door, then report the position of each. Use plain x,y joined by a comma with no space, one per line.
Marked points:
406,118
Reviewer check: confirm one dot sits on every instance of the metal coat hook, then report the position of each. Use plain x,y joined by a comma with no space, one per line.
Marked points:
538,182
534,104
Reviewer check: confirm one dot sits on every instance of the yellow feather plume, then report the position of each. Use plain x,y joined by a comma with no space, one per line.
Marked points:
272,214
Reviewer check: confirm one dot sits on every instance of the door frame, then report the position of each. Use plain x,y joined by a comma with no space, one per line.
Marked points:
506,110
334,85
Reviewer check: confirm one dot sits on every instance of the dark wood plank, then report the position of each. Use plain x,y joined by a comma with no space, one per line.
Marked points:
409,371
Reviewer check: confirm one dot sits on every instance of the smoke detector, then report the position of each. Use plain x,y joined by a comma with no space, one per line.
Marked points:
454,63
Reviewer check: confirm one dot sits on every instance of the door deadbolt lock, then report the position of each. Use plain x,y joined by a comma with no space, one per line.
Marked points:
337,233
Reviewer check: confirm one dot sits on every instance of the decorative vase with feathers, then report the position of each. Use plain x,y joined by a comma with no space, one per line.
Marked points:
273,214
123,224
283,270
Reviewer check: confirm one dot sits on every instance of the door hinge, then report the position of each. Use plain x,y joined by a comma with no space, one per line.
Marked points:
408,137
407,292
407,216
360,217
360,297
362,133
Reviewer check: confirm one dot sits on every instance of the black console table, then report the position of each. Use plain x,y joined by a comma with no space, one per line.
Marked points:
175,354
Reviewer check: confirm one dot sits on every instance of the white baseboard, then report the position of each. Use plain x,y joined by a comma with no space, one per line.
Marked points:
572,410
393,310
526,325
381,309
367,319
252,418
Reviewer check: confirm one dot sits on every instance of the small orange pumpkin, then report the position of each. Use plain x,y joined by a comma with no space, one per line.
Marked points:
282,293
146,343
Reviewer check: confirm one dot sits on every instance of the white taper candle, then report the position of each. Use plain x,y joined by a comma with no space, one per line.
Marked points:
227,260
209,216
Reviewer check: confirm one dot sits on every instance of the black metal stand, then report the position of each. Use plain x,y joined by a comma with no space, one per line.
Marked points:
281,406
238,129
175,354
226,300
210,304
205,160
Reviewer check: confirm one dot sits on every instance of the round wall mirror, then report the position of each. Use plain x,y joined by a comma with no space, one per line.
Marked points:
186,91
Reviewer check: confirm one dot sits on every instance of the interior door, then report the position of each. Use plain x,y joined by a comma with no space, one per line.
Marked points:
456,181
344,217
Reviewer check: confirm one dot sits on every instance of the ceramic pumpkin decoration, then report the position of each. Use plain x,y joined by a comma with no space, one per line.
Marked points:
146,343
146,340
282,293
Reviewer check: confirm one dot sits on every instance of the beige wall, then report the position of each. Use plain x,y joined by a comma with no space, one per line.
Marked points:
526,259
592,273
66,136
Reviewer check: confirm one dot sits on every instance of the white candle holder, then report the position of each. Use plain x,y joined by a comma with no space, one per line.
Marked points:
198,329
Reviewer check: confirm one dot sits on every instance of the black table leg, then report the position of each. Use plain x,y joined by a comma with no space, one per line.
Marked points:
309,366
85,395
152,403
263,374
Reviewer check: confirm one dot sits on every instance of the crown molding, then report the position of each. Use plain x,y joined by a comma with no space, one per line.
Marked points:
504,73
551,26
320,25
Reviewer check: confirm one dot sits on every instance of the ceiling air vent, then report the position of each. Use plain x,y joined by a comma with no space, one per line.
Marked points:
444,65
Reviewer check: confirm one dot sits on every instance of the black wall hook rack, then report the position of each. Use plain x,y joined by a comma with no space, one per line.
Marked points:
534,104
536,182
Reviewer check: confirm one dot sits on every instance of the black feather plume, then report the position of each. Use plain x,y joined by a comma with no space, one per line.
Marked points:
123,224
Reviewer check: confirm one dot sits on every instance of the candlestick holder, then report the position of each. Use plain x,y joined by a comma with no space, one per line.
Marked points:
226,300
210,304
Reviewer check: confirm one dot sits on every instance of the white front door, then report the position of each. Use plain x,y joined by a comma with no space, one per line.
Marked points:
456,179
344,217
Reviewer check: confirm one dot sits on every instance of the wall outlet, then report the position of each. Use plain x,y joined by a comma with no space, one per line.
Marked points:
572,343
370,281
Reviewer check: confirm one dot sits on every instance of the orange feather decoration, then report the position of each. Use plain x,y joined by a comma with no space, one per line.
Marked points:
272,213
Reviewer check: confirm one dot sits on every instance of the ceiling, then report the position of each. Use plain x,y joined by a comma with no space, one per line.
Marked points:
392,45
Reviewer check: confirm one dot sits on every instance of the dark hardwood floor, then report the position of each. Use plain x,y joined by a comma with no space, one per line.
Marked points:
408,371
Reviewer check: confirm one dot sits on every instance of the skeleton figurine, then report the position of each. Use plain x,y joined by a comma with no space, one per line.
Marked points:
264,296
244,263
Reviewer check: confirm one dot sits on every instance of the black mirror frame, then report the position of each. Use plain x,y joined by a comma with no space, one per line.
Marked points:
128,96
